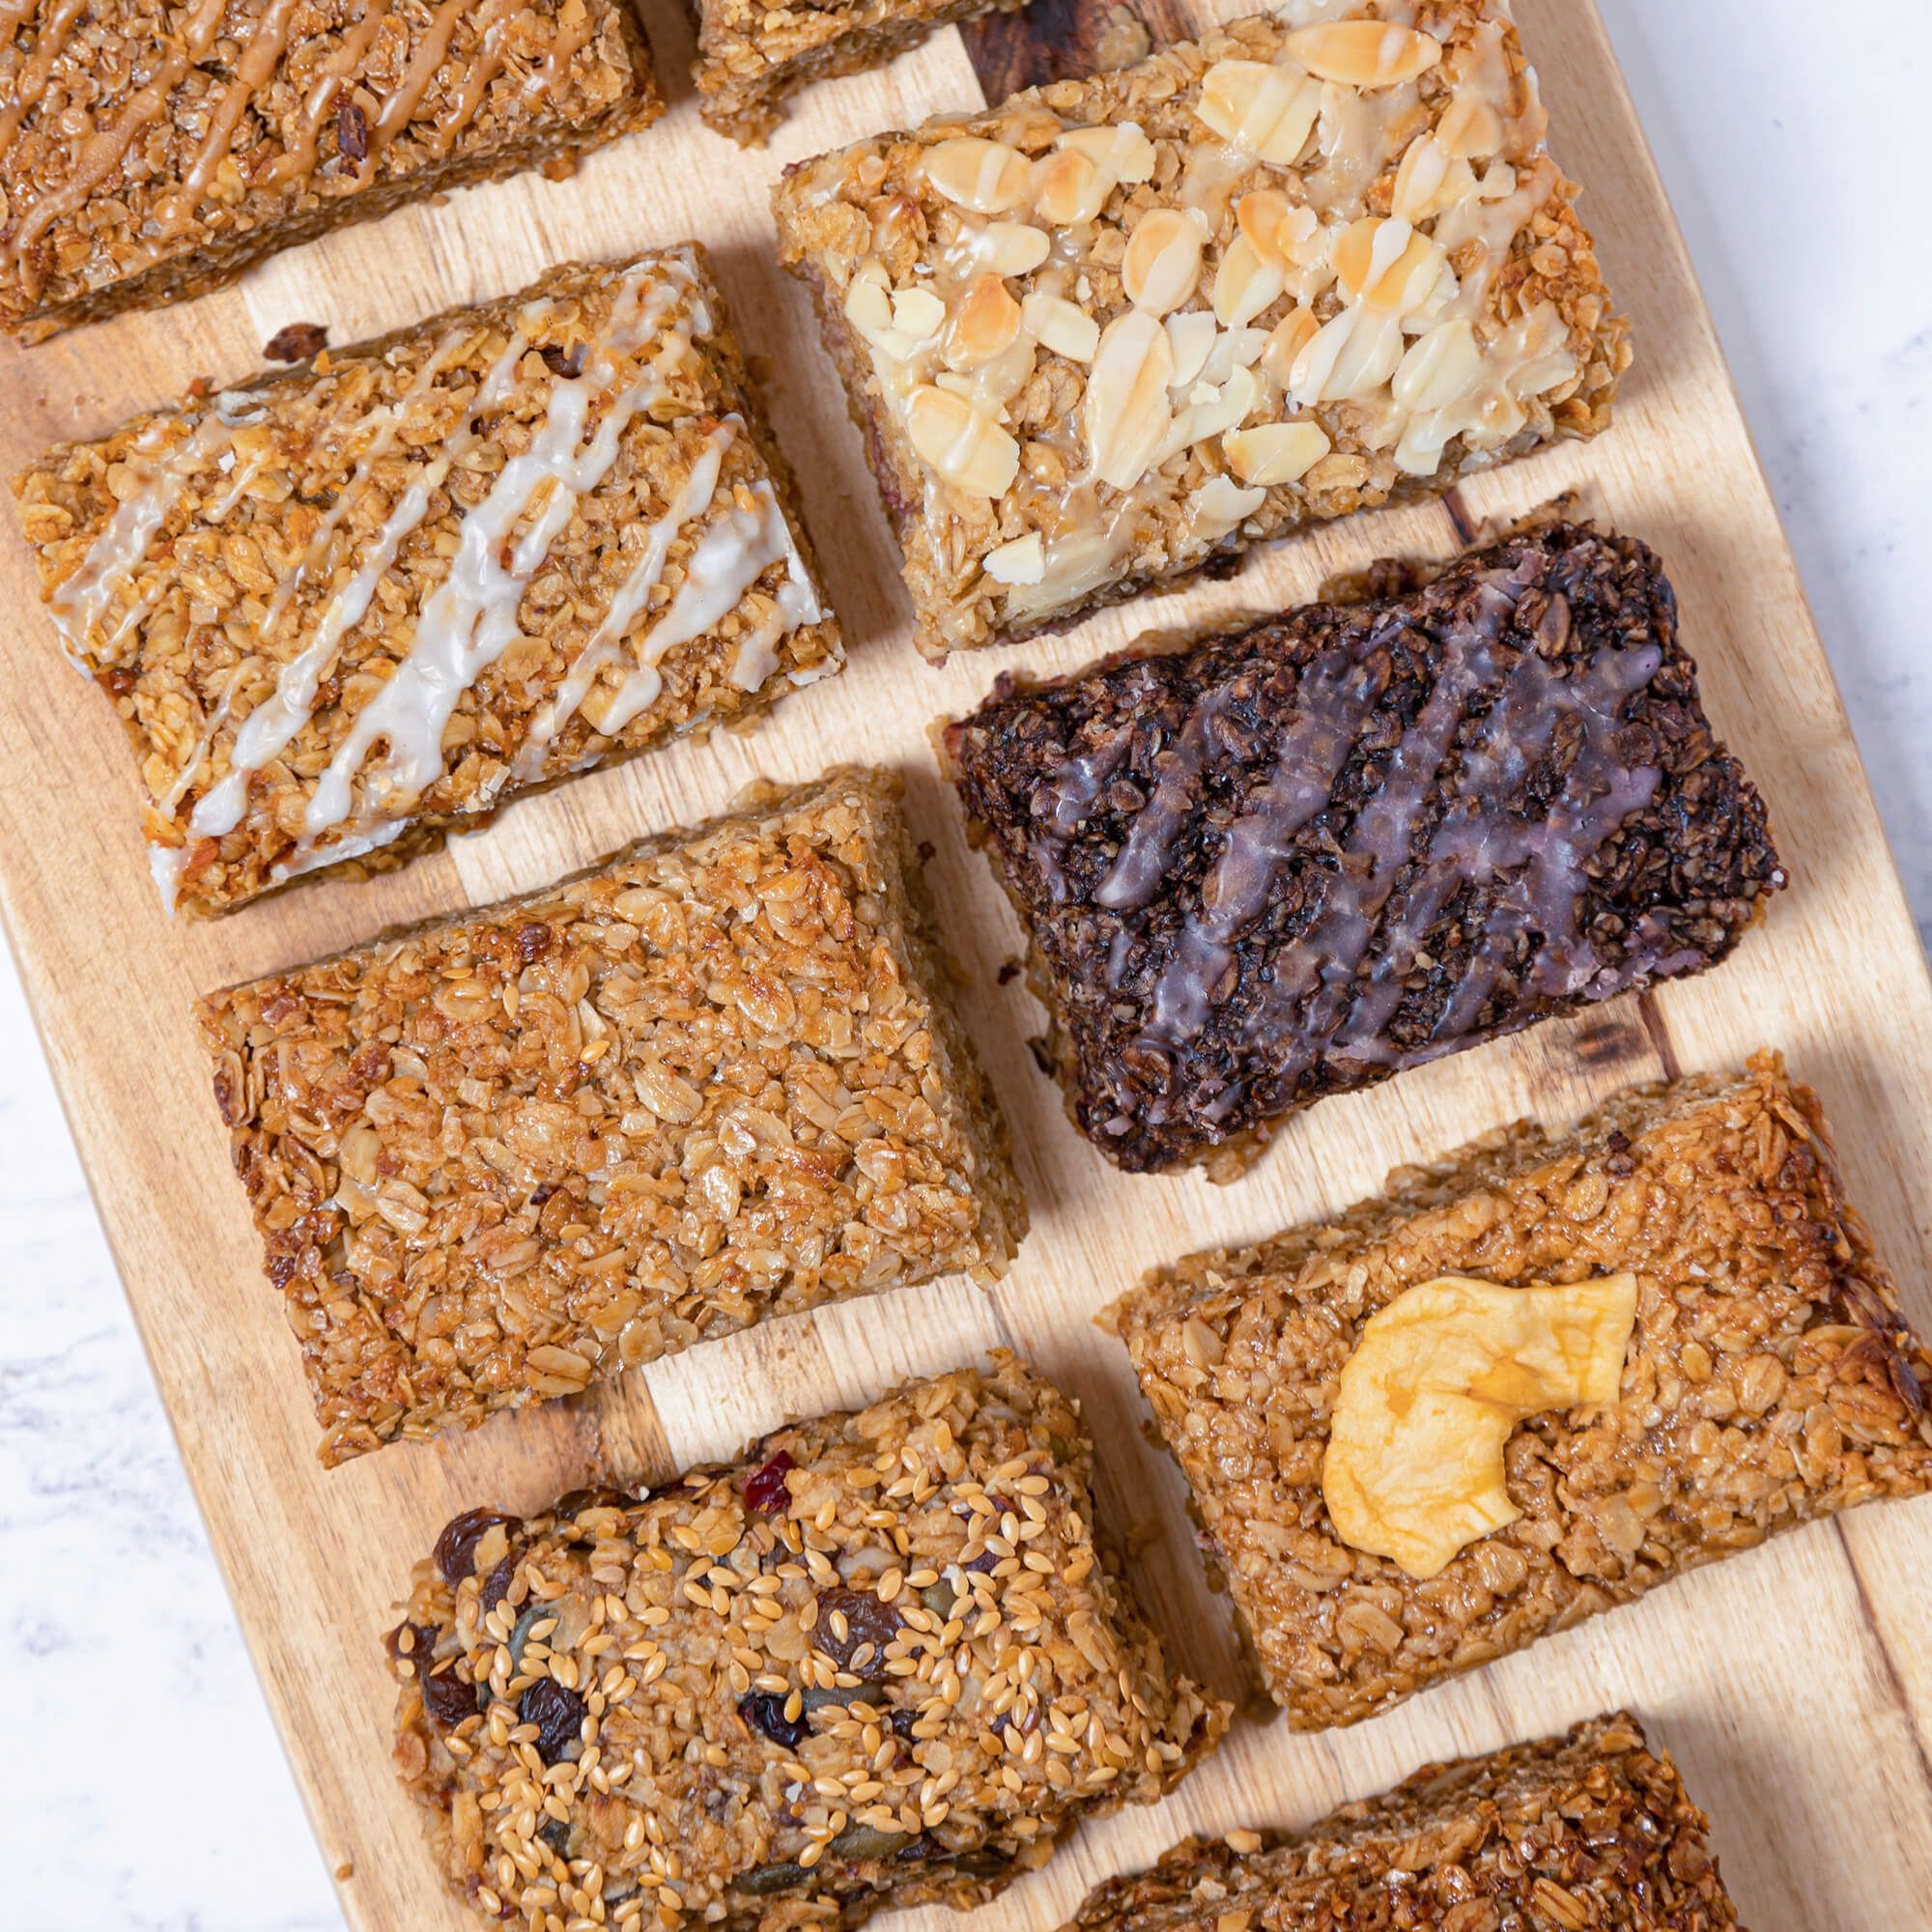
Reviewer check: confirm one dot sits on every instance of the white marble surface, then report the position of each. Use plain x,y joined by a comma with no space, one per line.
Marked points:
1783,156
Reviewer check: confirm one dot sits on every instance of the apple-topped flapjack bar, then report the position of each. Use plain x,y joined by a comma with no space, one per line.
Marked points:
884,1661
1294,859
1119,328
1531,1382
150,153
512,1152
343,611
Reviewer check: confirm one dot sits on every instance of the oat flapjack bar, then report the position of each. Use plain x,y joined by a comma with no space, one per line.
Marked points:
150,153
508,1154
342,611
1770,1379
1119,328
1589,1830
751,55
883,1660
1291,860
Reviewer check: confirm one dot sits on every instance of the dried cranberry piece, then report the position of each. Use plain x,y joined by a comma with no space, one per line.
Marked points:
532,941
556,1713
446,1698
867,1621
496,1585
456,1547
570,366
766,1713
765,1488
295,342
352,130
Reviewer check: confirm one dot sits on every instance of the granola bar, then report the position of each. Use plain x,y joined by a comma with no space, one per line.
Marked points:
343,611
150,153
751,55
1296,859
508,1154
1587,1829
782,1694
1770,1379
1119,328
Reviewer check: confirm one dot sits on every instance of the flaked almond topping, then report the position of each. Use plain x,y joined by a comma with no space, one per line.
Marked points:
1124,152
1127,409
963,445
1010,247
1219,504
1429,181
1350,355
1193,338
1470,128
1441,366
919,312
1289,337
1268,111
1163,259
985,176
1363,53
1244,284
1060,326
1386,266
1261,216
985,324
1275,452
1068,189
868,308
1021,561
1213,410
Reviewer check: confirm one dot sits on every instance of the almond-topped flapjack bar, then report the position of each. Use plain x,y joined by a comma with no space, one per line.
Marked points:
751,55
343,611
1291,860
884,1661
511,1152
1119,328
1529,1382
1577,1833
151,152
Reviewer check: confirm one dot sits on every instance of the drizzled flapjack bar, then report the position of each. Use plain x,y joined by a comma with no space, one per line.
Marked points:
151,152
342,611
882,1662
1116,328
1294,860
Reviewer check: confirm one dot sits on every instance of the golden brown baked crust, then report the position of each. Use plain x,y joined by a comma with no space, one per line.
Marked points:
503,1156
1771,1380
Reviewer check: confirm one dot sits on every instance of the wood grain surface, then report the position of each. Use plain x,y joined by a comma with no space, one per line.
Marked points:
1793,1684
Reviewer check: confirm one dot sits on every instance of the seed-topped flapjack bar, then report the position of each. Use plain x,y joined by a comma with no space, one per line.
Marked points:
151,152
514,1151
1584,1832
883,1661
1533,1379
1294,860
342,611
1119,328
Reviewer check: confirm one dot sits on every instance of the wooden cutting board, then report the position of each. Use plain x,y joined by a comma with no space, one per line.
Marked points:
1793,1684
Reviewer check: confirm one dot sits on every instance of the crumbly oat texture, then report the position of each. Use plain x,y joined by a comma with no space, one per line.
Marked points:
1120,326
343,611
150,153
883,1660
506,1154
1296,859
1590,1831
751,55
1771,1380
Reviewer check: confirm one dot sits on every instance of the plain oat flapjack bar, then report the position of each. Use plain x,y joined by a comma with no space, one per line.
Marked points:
751,54
503,1156
1587,1831
150,153
343,611
1293,860
1119,328
1770,1379
883,1660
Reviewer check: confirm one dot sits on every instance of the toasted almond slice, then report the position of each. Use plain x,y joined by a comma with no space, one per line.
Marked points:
1060,326
1244,284
1127,410
1010,247
1363,53
985,322
1261,216
869,307
1441,366
1124,152
1193,336
1470,128
964,447
1429,181
1272,453
1350,355
1218,505
1068,189
1385,266
1163,259
1021,561
1268,111
1289,337
987,177
919,312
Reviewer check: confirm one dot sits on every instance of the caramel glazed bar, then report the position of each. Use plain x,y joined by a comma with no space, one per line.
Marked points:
882,1662
151,152
1584,1832
513,1152
1292,860
1388,1466
342,610
1122,327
